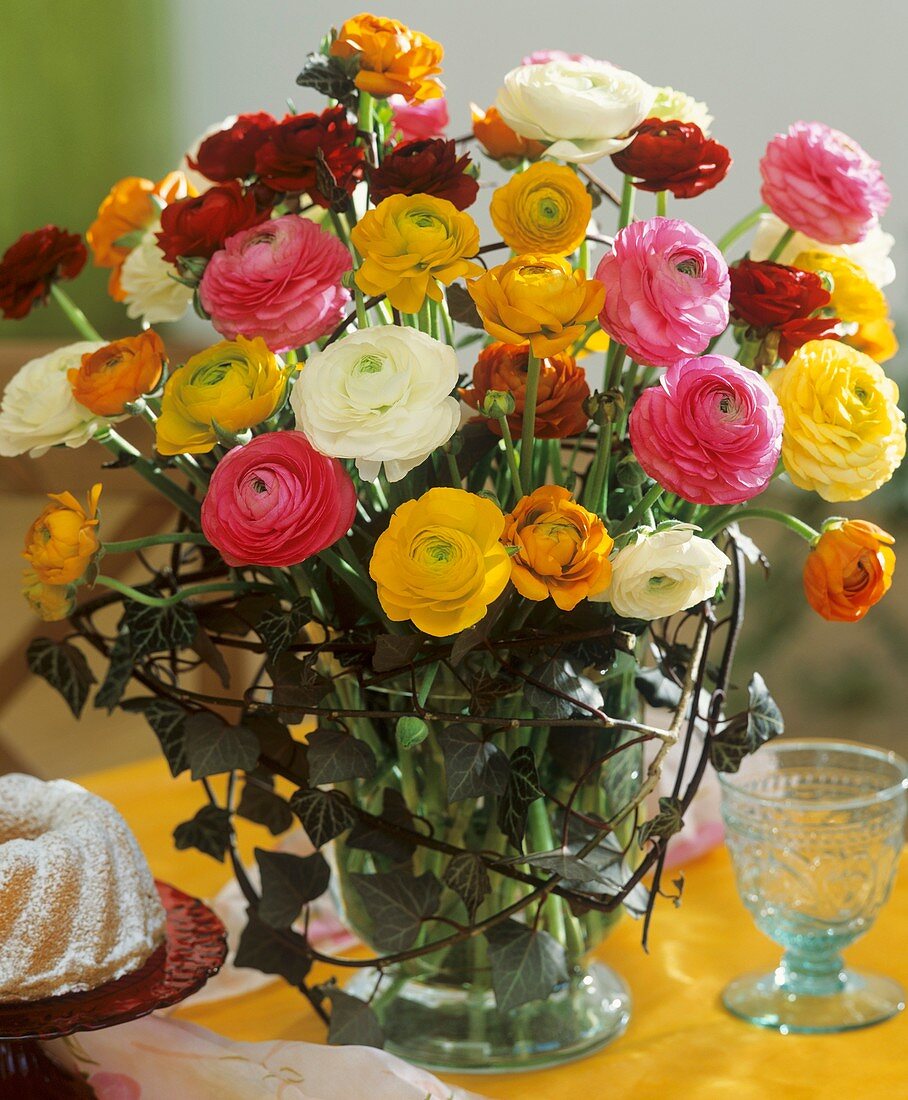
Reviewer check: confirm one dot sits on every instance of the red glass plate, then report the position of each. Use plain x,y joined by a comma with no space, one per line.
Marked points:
194,949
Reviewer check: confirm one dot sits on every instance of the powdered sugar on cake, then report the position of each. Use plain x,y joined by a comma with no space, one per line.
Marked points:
78,905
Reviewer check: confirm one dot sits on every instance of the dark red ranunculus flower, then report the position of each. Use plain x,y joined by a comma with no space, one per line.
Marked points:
429,166
230,154
33,263
199,226
775,297
288,159
673,156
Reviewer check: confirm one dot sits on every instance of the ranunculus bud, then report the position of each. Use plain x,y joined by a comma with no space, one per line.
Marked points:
630,473
497,403
604,408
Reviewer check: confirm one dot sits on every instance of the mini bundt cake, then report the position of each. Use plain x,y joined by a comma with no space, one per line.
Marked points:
78,905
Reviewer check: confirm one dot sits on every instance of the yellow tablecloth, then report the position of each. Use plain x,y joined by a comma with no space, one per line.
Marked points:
680,1043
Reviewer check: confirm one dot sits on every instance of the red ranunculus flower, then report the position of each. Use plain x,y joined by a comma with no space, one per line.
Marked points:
430,166
769,296
199,226
673,156
230,154
33,263
288,159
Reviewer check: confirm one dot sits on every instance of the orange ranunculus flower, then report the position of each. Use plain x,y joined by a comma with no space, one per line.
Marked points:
393,60
876,339
537,300
63,540
562,390
52,602
129,209
498,140
118,373
562,550
849,569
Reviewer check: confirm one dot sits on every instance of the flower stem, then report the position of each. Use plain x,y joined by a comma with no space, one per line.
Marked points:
165,539
626,214
741,227
183,594
529,420
804,530
119,446
77,318
509,451
652,494
661,204
781,245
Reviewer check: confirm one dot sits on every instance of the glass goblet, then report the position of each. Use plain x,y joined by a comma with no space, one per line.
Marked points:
815,829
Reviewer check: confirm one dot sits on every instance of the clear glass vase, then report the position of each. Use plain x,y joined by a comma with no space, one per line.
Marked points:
439,1010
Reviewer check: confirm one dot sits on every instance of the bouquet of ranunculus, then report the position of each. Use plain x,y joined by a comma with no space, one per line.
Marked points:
463,507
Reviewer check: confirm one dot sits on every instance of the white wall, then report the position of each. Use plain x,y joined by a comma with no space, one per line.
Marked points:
759,65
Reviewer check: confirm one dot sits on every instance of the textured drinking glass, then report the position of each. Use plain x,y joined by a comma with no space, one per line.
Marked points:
815,829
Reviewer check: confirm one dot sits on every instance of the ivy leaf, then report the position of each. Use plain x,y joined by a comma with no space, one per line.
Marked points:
329,77
324,814
666,823
657,689
371,838
119,670
211,655
168,720
278,628
397,903
153,629
473,767
764,719
395,651
273,951
265,807
526,964
208,831
467,876
353,1022
728,748
213,746
64,667
521,792
297,686
566,866
335,756
288,883
461,307
559,675
277,743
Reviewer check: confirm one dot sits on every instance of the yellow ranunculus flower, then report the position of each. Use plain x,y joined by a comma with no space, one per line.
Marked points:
854,296
62,542
235,385
539,300
876,339
844,433
544,209
53,602
562,549
439,563
410,244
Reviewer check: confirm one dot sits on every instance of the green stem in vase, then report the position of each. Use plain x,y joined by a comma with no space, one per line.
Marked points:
529,420
183,594
804,530
74,315
780,246
649,498
511,455
176,495
165,539
740,228
626,214
661,204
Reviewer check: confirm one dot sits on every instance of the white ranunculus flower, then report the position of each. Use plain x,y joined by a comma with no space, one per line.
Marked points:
586,110
147,281
663,572
39,411
381,396
872,253
672,104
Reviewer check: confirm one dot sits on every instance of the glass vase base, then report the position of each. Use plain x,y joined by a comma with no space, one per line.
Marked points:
860,1001
459,1030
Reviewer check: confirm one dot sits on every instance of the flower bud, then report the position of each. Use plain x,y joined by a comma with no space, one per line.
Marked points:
630,473
497,403
604,408
410,731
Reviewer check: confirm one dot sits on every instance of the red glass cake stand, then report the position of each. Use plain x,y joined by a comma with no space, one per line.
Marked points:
194,949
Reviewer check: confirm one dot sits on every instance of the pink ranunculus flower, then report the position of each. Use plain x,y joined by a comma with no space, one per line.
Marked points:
280,280
666,291
541,57
419,121
820,182
711,431
276,501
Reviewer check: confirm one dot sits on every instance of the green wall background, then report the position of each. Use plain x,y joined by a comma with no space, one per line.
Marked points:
86,97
